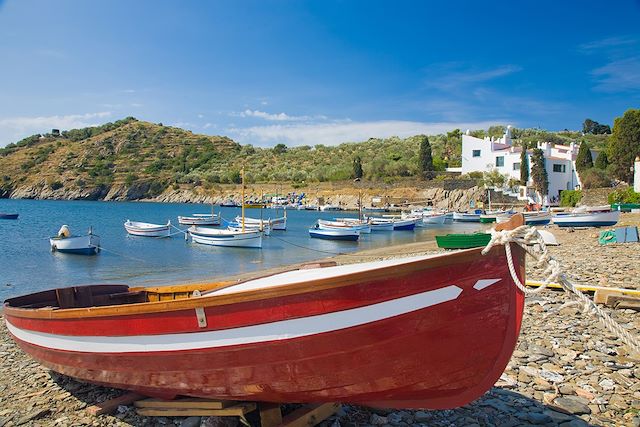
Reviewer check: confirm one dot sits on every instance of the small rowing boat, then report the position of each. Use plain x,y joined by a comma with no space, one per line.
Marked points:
338,233
249,238
146,229
463,241
6,215
67,243
433,331
594,217
200,219
466,217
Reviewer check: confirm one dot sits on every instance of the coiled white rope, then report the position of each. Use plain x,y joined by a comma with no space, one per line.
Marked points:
532,242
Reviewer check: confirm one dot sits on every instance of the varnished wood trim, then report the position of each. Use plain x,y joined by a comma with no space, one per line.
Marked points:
453,258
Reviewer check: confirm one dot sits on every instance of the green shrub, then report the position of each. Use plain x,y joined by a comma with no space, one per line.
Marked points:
130,179
55,185
570,198
626,195
594,178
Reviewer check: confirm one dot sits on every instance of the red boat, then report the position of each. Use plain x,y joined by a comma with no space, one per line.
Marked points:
424,332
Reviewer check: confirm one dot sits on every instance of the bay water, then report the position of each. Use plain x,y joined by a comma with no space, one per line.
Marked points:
28,265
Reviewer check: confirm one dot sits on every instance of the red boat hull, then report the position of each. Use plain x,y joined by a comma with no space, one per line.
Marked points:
434,333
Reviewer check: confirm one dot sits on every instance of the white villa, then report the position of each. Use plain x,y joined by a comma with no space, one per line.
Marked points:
480,155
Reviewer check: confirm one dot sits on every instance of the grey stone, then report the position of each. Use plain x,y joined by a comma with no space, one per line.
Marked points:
572,404
377,420
535,418
191,422
576,422
421,416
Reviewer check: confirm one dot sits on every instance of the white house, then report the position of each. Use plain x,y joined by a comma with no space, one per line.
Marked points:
480,155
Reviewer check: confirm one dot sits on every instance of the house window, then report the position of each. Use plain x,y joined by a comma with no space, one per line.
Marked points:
476,153
559,168
516,166
499,161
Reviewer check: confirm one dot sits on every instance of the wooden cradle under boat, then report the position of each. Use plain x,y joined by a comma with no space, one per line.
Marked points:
423,332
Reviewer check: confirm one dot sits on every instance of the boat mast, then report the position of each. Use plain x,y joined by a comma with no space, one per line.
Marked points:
243,199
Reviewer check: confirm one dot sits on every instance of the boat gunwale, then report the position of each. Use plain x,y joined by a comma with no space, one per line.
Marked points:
204,301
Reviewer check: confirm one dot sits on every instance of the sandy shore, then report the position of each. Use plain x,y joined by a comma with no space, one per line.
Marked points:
566,370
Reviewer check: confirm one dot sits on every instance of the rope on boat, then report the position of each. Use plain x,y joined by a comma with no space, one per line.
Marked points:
532,242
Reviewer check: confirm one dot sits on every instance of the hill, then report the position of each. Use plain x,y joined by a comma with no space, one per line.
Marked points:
132,159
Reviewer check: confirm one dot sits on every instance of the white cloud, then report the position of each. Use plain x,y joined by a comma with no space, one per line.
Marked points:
607,43
279,117
339,132
13,129
448,76
618,76
200,116
208,125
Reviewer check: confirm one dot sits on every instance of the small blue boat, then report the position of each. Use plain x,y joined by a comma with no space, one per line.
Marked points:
4,215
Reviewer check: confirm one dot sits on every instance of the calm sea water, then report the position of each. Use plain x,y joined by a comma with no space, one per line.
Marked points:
28,265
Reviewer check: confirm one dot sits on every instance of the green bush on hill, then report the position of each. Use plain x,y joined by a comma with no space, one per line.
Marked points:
570,198
626,195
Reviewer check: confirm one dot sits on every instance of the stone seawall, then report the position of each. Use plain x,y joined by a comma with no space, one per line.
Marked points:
446,195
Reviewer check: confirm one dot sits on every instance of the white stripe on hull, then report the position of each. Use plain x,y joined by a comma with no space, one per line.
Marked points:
274,331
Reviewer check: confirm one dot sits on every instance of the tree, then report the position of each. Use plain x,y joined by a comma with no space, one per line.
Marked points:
539,172
588,126
602,161
584,160
624,145
595,128
524,165
425,159
452,150
280,149
496,131
357,167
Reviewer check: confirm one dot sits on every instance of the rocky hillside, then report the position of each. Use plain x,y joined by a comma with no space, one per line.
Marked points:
132,159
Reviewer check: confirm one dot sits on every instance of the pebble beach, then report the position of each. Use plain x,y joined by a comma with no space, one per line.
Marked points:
567,369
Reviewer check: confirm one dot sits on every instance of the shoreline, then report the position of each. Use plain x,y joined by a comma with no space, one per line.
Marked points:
564,360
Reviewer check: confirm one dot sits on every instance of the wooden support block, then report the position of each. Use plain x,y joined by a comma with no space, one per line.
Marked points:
622,302
184,403
601,295
238,410
111,405
310,415
270,414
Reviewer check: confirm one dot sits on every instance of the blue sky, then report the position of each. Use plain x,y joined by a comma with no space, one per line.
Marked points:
309,72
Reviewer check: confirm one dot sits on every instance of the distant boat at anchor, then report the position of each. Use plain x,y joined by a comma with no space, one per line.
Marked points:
65,242
6,215
146,229
200,219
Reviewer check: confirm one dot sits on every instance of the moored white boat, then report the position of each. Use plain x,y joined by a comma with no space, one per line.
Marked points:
362,226
324,208
434,217
273,224
404,224
217,237
146,229
262,227
587,219
338,233
537,218
199,219
466,217
82,245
